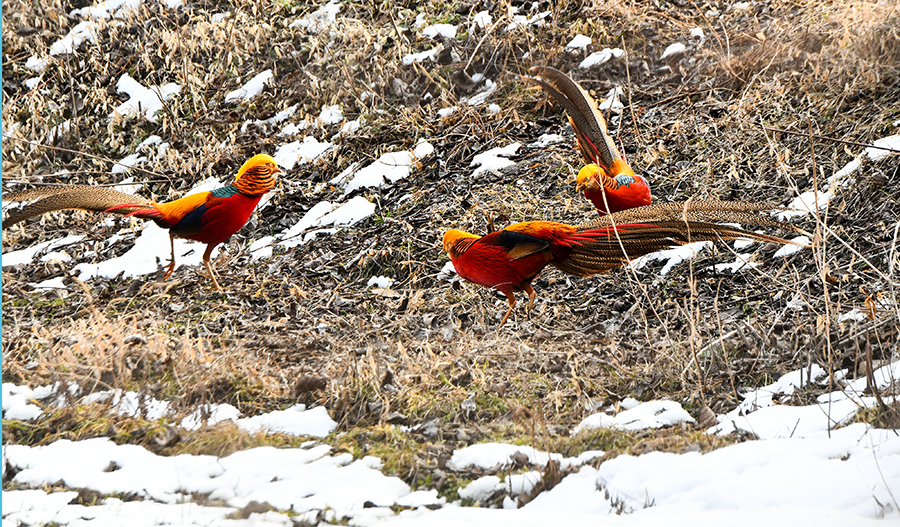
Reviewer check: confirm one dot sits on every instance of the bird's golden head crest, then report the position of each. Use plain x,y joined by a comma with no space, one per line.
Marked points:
453,236
256,162
587,178
257,175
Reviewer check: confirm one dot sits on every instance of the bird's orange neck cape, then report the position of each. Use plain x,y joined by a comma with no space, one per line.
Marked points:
609,191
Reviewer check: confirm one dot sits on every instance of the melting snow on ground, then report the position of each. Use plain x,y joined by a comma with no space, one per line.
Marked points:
430,54
331,114
482,20
653,414
279,117
522,21
790,249
322,214
854,315
444,30
380,281
601,57
672,256
72,41
390,167
612,102
547,139
252,88
741,261
804,469
21,403
673,50
579,42
321,19
495,158
132,160
142,100
817,199
326,216
697,34
26,256
300,152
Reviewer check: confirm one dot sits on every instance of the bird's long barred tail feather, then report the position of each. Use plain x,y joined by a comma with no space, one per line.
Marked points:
48,199
712,211
606,252
644,230
586,119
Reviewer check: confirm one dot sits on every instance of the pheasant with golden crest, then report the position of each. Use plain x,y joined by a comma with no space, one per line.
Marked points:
510,259
207,217
607,180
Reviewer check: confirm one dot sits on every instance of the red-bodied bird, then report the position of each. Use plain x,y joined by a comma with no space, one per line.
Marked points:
509,260
208,217
607,180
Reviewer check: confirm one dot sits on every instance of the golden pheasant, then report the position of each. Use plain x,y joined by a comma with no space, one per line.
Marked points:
208,217
508,260
607,180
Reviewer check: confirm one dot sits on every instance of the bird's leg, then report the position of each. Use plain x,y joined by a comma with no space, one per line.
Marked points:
171,266
530,291
209,268
512,303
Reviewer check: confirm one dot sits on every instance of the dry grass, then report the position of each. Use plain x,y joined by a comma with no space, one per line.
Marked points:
302,326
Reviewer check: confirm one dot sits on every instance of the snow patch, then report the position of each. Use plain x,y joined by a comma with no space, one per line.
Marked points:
673,50
673,256
25,256
70,43
320,20
36,64
697,34
323,214
279,117
741,261
430,54
521,21
546,140
601,57
854,314
143,101
380,281
579,42
813,200
390,167
612,102
444,30
788,250
300,152
296,420
489,455
251,88
495,158
331,114
652,414
482,20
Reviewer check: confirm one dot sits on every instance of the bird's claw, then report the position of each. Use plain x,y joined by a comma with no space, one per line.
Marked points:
169,269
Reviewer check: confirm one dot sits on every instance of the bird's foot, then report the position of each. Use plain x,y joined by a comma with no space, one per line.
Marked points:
169,269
